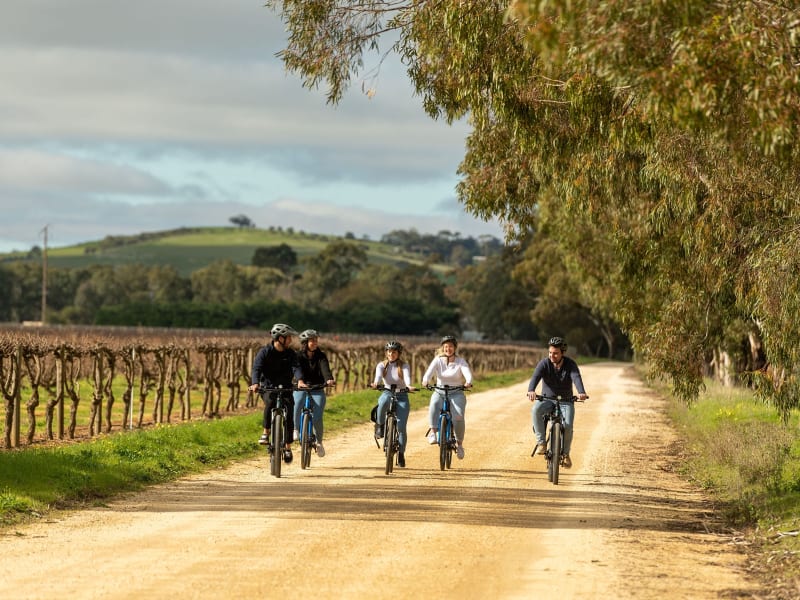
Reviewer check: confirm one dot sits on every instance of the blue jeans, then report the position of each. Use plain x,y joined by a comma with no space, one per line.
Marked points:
541,408
458,406
402,408
317,406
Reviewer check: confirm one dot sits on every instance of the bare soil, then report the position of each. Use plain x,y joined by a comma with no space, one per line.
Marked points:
620,524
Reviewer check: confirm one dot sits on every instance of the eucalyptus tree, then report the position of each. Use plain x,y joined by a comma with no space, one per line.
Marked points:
654,142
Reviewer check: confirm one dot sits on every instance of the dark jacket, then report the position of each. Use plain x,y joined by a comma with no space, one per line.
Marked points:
273,368
316,370
557,382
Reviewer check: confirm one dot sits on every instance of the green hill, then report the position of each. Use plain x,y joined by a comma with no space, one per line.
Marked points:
189,249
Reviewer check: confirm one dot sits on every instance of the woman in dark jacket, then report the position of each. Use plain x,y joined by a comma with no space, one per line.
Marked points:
316,372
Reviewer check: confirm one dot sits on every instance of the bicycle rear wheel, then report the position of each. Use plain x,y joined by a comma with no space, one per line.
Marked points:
277,443
390,442
444,442
555,450
305,440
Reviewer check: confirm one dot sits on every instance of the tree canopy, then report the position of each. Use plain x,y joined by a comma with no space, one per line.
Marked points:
654,143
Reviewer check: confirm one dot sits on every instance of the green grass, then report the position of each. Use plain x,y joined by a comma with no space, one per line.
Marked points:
36,480
740,451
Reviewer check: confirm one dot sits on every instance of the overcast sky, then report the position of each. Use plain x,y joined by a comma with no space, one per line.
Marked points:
123,117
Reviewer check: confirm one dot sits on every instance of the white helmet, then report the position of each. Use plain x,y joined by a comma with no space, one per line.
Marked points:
281,329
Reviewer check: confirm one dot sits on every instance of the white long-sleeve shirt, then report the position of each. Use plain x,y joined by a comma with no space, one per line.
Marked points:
390,374
448,373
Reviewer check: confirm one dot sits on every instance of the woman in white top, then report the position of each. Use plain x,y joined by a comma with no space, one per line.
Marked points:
390,371
452,370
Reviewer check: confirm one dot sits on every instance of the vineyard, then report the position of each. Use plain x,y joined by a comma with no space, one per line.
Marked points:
164,375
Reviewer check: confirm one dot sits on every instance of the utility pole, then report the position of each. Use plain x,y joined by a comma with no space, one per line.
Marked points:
44,276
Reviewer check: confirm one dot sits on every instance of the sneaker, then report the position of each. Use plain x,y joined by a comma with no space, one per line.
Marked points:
566,462
540,448
296,435
287,455
378,431
460,452
320,449
401,459
432,437
264,439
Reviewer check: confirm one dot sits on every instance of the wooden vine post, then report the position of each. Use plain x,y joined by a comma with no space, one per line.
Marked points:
17,394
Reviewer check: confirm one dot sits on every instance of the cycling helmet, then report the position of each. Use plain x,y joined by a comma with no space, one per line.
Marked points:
281,329
449,338
309,334
394,346
558,342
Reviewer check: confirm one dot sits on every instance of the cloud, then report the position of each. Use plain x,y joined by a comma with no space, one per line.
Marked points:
118,118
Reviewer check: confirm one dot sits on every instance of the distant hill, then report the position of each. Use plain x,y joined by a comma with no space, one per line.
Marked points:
189,249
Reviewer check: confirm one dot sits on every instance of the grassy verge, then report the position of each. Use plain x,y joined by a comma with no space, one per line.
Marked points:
741,452
36,480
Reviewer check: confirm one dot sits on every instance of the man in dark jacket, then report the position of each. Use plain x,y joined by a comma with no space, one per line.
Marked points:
276,365
558,374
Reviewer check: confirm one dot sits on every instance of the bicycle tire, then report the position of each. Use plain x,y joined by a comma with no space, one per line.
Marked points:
444,442
555,447
305,440
390,443
277,443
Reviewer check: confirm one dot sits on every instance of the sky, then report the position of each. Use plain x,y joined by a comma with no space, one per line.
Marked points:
118,118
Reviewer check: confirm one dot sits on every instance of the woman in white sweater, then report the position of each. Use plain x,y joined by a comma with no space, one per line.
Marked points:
452,370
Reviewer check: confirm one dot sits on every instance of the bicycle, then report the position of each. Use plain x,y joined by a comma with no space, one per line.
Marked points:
277,440
554,439
391,436
308,440
447,435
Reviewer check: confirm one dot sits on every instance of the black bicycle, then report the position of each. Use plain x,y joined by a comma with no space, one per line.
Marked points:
308,439
391,436
447,435
277,440
554,440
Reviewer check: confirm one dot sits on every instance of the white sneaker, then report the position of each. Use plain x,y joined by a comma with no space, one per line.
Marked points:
320,449
540,448
432,437
460,452
296,435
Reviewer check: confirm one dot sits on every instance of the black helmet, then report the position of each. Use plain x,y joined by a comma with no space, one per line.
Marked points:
449,338
558,342
309,334
281,329
394,346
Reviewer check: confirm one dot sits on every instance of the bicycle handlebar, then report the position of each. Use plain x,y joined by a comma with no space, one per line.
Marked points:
560,399
267,388
392,389
311,388
449,388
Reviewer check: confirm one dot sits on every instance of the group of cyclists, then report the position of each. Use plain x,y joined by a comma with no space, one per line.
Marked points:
276,366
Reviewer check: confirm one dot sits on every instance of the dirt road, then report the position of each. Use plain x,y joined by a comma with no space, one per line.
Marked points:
619,524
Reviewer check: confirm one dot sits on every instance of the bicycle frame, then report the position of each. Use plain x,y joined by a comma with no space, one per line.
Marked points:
308,440
447,435
554,439
277,433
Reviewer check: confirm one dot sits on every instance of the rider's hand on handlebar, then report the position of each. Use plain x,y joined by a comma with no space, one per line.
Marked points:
583,397
531,396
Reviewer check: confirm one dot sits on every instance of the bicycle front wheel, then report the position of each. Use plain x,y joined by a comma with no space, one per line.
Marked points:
277,443
555,449
390,442
444,442
305,440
